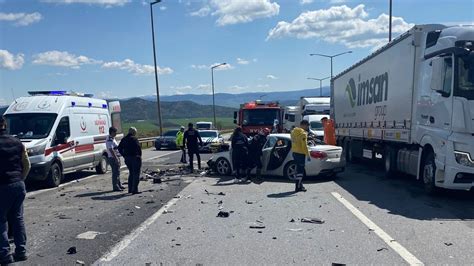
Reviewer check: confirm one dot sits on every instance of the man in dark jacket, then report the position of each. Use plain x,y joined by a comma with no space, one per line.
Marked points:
14,168
191,139
240,145
131,151
255,151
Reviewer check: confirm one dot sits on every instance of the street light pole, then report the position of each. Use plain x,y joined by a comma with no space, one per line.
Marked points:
213,95
390,23
331,57
156,68
320,84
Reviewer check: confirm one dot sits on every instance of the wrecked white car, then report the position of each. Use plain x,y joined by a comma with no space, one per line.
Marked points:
277,159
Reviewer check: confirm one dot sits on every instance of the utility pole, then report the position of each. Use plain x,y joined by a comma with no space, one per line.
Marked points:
320,84
213,97
390,23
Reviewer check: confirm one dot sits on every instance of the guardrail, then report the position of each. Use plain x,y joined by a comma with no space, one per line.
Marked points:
147,142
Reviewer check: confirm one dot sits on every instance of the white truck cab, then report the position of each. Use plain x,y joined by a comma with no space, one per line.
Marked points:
204,126
62,132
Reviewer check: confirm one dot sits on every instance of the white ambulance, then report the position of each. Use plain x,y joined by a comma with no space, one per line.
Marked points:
63,132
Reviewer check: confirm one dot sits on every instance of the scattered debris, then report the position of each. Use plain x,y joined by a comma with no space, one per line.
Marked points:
150,202
381,249
169,222
62,195
63,217
249,202
177,196
295,229
80,262
221,193
89,235
207,192
337,264
292,220
220,202
167,211
31,198
259,232
178,228
312,220
223,214
257,226
274,237
203,202
72,250
137,207
332,230
448,244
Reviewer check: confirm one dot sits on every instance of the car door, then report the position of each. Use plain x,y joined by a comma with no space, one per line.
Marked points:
266,151
63,143
278,156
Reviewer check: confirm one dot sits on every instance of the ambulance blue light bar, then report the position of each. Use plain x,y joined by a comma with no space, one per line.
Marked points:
57,93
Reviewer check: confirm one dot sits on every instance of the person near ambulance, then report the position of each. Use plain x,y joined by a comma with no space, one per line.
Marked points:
299,147
131,151
113,158
180,144
14,168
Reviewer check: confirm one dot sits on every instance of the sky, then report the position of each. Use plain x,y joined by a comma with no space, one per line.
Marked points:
104,47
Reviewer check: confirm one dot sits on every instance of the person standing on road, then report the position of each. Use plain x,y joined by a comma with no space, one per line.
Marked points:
255,151
114,159
14,168
131,151
299,147
239,144
329,131
180,144
191,138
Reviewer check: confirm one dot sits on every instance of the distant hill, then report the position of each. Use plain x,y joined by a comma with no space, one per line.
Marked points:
3,109
234,100
139,109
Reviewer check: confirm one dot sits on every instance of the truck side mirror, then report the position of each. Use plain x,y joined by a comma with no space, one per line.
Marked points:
286,116
437,74
235,116
235,121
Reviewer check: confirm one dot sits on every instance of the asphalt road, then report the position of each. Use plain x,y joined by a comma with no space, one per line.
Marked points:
368,219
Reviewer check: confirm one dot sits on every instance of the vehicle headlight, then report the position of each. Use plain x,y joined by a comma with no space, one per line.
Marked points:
463,158
38,150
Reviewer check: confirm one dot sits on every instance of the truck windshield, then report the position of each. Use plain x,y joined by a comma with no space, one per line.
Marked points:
465,84
259,117
30,126
315,125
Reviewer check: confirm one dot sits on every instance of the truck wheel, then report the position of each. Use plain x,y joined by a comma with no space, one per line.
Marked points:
55,175
390,159
428,174
103,165
348,152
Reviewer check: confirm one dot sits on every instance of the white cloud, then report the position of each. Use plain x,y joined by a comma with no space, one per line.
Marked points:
231,12
241,61
271,77
136,69
199,66
203,12
21,19
63,59
255,60
304,2
180,90
163,8
10,61
337,1
340,24
204,87
263,86
236,88
105,94
105,3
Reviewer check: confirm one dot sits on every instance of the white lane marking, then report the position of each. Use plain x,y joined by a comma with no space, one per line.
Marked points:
89,235
127,240
397,247
34,193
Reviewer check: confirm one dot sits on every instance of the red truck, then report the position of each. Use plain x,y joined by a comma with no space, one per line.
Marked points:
257,115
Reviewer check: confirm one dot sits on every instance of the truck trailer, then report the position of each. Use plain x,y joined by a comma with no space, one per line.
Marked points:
411,103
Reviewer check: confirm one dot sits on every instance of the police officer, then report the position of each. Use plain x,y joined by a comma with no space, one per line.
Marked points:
14,168
180,143
255,151
191,139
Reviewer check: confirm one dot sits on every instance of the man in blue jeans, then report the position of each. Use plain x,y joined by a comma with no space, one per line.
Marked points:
14,168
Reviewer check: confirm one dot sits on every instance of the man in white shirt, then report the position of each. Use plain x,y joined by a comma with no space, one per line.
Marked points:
114,160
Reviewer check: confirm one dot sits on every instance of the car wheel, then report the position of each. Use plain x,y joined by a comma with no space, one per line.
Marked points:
428,174
223,167
157,147
290,170
55,176
103,165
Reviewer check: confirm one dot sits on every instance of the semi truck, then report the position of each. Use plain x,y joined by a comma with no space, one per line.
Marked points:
258,115
411,104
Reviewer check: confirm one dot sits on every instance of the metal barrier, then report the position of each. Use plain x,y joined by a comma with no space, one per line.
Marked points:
147,142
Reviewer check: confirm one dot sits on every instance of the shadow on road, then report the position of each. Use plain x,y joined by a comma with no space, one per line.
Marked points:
111,197
76,176
404,195
92,194
282,195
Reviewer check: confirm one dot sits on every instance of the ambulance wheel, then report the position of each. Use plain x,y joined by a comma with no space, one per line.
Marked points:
55,175
102,167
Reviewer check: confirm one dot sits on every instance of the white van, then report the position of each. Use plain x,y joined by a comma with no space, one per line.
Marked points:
204,125
290,120
315,125
62,132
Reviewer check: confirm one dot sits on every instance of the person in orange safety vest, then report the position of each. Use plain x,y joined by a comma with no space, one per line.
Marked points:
329,131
